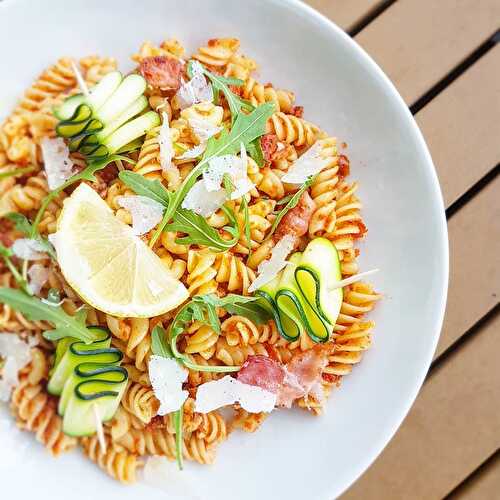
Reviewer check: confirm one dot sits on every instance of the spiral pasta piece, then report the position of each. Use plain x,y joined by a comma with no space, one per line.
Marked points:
141,402
201,272
119,464
218,52
237,355
201,339
232,271
95,67
35,411
293,130
257,94
248,422
170,47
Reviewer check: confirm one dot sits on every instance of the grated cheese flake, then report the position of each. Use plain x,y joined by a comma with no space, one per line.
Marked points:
203,202
146,213
193,153
38,276
167,377
269,269
16,355
228,390
28,249
310,163
203,129
57,163
165,142
195,90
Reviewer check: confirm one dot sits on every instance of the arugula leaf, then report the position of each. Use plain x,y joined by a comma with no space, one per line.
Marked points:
246,223
145,187
254,149
203,308
86,174
17,171
291,204
221,84
24,225
159,343
35,309
246,129
199,232
6,254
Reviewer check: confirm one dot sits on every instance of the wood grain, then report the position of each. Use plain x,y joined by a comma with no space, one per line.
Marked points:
449,432
483,486
459,127
417,42
474,287
345,13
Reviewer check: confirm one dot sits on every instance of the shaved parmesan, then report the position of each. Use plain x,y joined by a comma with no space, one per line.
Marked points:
28,249
269,269
310,163
165,142
167,377
203,129
16,355
193,153
228,390
79,79
146,213
204,202
196,90
57,163
38,276
351,279
161,473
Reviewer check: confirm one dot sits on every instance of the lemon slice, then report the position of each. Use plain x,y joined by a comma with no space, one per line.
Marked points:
107,265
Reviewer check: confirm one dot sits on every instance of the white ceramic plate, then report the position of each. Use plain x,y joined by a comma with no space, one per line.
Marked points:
293,456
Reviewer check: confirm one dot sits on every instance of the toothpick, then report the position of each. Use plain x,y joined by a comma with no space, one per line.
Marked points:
99,428
351,279
79,79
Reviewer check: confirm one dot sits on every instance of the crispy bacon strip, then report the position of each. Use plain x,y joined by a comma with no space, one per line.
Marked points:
299,377
296,221
162,71
269,144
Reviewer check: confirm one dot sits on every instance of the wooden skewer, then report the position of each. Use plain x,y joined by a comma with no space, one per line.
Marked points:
79,79
99,428
351,279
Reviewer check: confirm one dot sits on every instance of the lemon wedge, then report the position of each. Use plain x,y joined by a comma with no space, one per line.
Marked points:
107,265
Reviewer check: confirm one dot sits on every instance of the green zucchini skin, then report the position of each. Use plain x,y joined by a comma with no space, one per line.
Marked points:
317,271
66,111
85,375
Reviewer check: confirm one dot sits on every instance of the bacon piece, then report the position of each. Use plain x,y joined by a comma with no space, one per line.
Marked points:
344,166
162,71
262,372
269,144
297,111
108,173
296,220
303,373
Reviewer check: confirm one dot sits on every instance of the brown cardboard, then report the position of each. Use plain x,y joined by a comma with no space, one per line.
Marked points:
451,429
485,485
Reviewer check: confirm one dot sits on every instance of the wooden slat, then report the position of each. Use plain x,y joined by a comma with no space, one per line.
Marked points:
417,42
474,287
483,486
345,13
459,127
450,430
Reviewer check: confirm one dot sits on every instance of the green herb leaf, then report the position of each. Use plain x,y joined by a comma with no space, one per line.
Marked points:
145,187
24,225
35,309
199,232
86,174
246,223
221,84
159,343
178,418
246,129
291,204
254,149
17,171
6,254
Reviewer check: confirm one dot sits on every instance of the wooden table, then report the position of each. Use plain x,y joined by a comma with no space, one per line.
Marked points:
444,58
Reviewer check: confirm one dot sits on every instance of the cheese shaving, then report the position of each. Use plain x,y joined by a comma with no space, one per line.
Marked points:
161,473
352,279
310,163
204,202
269,269
165,142
57,163
193,153
195,90
228,390
28,249
203,129
146,213
167,377
79,79
16,355
38,276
